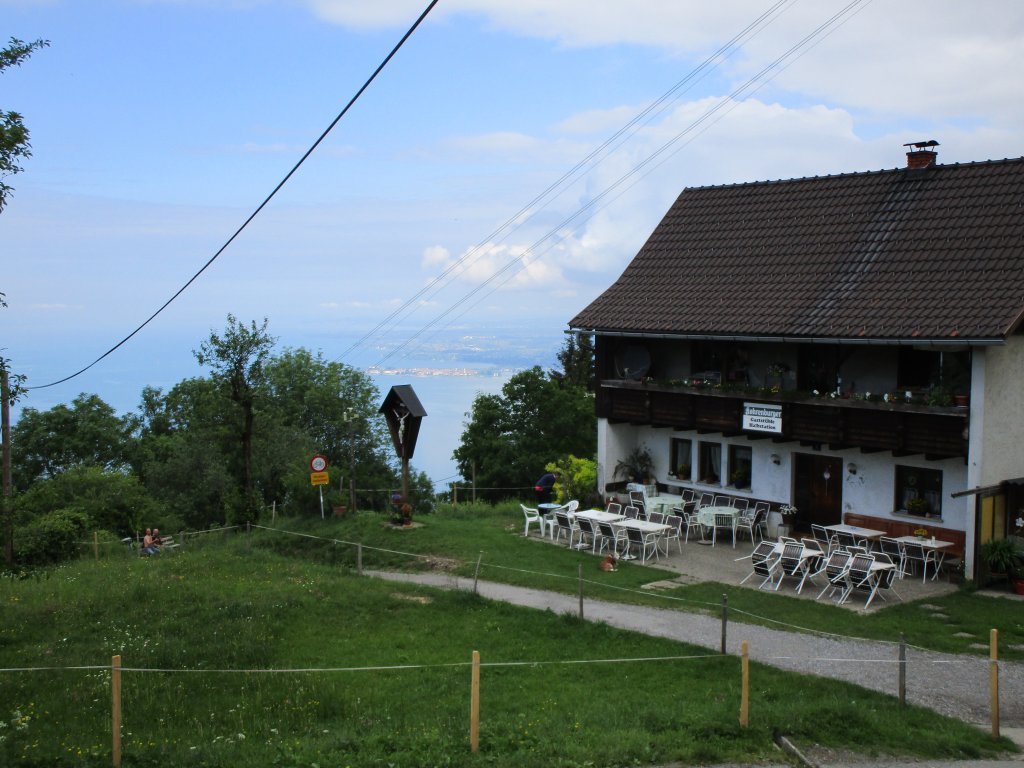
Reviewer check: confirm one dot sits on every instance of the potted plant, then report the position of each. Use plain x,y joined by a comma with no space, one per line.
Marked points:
788,514
741,477
1005,557
683,473
635,465
917,506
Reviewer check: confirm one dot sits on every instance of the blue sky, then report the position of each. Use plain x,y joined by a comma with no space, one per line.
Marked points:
158,126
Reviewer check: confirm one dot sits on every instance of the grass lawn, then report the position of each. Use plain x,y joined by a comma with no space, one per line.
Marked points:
396,691
961,621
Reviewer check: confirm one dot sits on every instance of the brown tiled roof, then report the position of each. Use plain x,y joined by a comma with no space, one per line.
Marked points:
936,253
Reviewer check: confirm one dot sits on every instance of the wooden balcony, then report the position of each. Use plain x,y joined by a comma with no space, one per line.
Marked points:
903,429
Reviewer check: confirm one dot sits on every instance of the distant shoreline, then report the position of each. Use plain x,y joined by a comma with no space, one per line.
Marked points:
375,371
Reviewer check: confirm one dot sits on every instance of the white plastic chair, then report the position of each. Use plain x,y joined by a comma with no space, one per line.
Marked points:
532,516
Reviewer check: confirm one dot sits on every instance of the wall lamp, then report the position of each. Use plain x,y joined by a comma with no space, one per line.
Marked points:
851,468
775,459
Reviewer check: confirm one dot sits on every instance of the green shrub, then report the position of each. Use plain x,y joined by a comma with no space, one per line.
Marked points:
578,481
50,538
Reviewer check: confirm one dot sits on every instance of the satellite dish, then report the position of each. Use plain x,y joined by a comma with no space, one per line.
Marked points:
636,361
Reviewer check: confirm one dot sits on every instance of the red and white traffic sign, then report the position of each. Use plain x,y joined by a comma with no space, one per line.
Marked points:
318,463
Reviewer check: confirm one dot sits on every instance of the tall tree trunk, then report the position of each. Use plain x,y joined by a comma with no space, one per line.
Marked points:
5,436
247,482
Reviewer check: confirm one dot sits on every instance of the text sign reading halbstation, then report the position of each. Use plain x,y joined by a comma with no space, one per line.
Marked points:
759,417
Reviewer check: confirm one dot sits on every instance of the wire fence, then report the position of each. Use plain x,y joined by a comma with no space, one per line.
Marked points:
360,552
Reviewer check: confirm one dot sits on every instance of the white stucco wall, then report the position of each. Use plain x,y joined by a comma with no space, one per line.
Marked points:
869,491
1000,413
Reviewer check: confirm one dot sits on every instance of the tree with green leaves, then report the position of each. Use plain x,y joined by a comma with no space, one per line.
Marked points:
511,438
577,360
237,358
87,433
324,407
14,143
187,453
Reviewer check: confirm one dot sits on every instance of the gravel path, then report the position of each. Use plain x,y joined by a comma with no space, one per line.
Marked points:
956,686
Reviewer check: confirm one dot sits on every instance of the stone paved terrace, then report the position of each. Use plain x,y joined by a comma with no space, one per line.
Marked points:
701,562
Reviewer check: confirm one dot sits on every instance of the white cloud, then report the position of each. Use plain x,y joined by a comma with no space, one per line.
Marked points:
499,266
362,14
948,58
434,255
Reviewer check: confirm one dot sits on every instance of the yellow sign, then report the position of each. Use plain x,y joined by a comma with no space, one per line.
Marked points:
319,478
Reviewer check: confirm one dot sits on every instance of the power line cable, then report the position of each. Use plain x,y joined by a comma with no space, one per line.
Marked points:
615,141
261,206
762,78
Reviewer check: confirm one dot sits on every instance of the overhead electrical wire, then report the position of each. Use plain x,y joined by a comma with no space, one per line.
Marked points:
597,155
752,85
262,205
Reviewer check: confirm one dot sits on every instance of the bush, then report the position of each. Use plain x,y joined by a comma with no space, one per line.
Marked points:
50,538
578,481
113,501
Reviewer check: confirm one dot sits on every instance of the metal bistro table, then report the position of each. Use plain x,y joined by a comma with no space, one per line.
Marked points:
860,534
936,546
663,502
644,527
600,516
706,518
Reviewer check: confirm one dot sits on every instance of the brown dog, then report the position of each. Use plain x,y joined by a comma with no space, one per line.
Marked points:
609,563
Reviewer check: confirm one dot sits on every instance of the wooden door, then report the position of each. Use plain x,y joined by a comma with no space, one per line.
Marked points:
817,490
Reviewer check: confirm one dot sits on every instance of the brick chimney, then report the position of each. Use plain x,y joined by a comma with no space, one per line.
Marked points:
920,154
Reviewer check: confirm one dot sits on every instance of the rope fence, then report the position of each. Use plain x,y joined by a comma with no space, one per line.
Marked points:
117,669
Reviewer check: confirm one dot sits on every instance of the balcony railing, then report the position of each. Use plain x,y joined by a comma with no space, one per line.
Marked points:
840,423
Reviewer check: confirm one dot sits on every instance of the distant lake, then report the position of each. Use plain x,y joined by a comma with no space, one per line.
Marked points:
447,400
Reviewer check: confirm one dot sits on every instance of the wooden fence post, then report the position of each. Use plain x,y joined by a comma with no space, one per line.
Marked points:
359,558
474,705
745,686
476,573
993,655
115,709
96,544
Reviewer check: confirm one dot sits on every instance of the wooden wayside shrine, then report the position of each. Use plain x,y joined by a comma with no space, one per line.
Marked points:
403,413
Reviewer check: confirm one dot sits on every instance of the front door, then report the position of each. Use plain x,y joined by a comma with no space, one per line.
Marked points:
817,489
